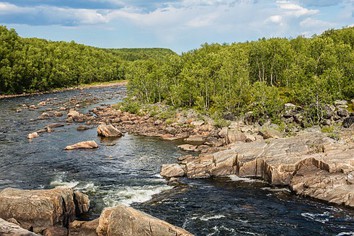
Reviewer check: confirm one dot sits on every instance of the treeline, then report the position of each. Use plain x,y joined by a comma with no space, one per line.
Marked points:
257,76
133,54
31,64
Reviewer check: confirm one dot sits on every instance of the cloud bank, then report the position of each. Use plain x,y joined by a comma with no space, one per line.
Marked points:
185,21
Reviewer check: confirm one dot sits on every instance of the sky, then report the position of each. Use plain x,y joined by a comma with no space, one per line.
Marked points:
180,25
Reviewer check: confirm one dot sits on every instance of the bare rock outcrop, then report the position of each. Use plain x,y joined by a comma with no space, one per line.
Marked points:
126,221
41,209
11,229
108,131
83,145
172,170
311,164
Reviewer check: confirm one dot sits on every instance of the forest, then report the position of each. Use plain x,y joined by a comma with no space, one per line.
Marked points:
218,79
259,76
31,64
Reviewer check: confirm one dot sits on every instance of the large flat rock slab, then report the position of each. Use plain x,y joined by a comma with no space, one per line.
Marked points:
41,209
329,165
126,221
11,229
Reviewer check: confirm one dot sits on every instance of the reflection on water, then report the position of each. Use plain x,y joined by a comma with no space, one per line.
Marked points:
126,170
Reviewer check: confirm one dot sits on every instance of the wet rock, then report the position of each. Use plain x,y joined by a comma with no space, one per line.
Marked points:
11,229
54,125
42,103
33,135
33,107
108,131
171,170
188,147
311,164
195,139
126,221
58,113
83,228
82,145
40,209
82,127
82,202
74,114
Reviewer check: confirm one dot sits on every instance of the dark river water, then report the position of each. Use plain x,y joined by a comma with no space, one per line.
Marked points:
126,171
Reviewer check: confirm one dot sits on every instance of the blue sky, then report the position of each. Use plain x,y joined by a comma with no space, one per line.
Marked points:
180,25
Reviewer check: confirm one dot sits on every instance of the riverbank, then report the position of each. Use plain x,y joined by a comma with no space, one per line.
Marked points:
309,162
125,170
83,86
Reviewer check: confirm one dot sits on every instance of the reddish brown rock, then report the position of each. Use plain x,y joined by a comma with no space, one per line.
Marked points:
108,131
83,228
11,229
33,135
311,164
126,221
41,209
172,170
82,145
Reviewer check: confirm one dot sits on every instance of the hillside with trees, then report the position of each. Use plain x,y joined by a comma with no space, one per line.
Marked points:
219,80
259,76
31,64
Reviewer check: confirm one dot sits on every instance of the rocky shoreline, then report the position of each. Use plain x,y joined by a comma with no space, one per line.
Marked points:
55,212
310,163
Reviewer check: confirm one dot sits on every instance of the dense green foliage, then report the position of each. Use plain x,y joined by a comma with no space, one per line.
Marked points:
255,76
30,64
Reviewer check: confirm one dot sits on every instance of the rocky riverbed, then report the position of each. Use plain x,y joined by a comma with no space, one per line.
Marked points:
310,164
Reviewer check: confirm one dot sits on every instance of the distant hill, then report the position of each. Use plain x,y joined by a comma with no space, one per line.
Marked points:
133,54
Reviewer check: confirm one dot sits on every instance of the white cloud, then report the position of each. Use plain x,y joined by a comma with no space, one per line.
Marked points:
276,19
296,10
190,21
314,23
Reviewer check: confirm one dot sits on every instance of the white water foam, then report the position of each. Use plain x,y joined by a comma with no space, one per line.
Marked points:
59,181
127,195
322,218
346,234
247,180
276,189
81,186
207,218
217,230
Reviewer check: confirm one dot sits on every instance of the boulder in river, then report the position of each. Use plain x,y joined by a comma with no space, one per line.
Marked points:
42,209
11,229
172,170
33,135
82,145
108,131
126,221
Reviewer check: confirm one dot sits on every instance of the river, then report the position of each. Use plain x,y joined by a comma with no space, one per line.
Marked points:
126,171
